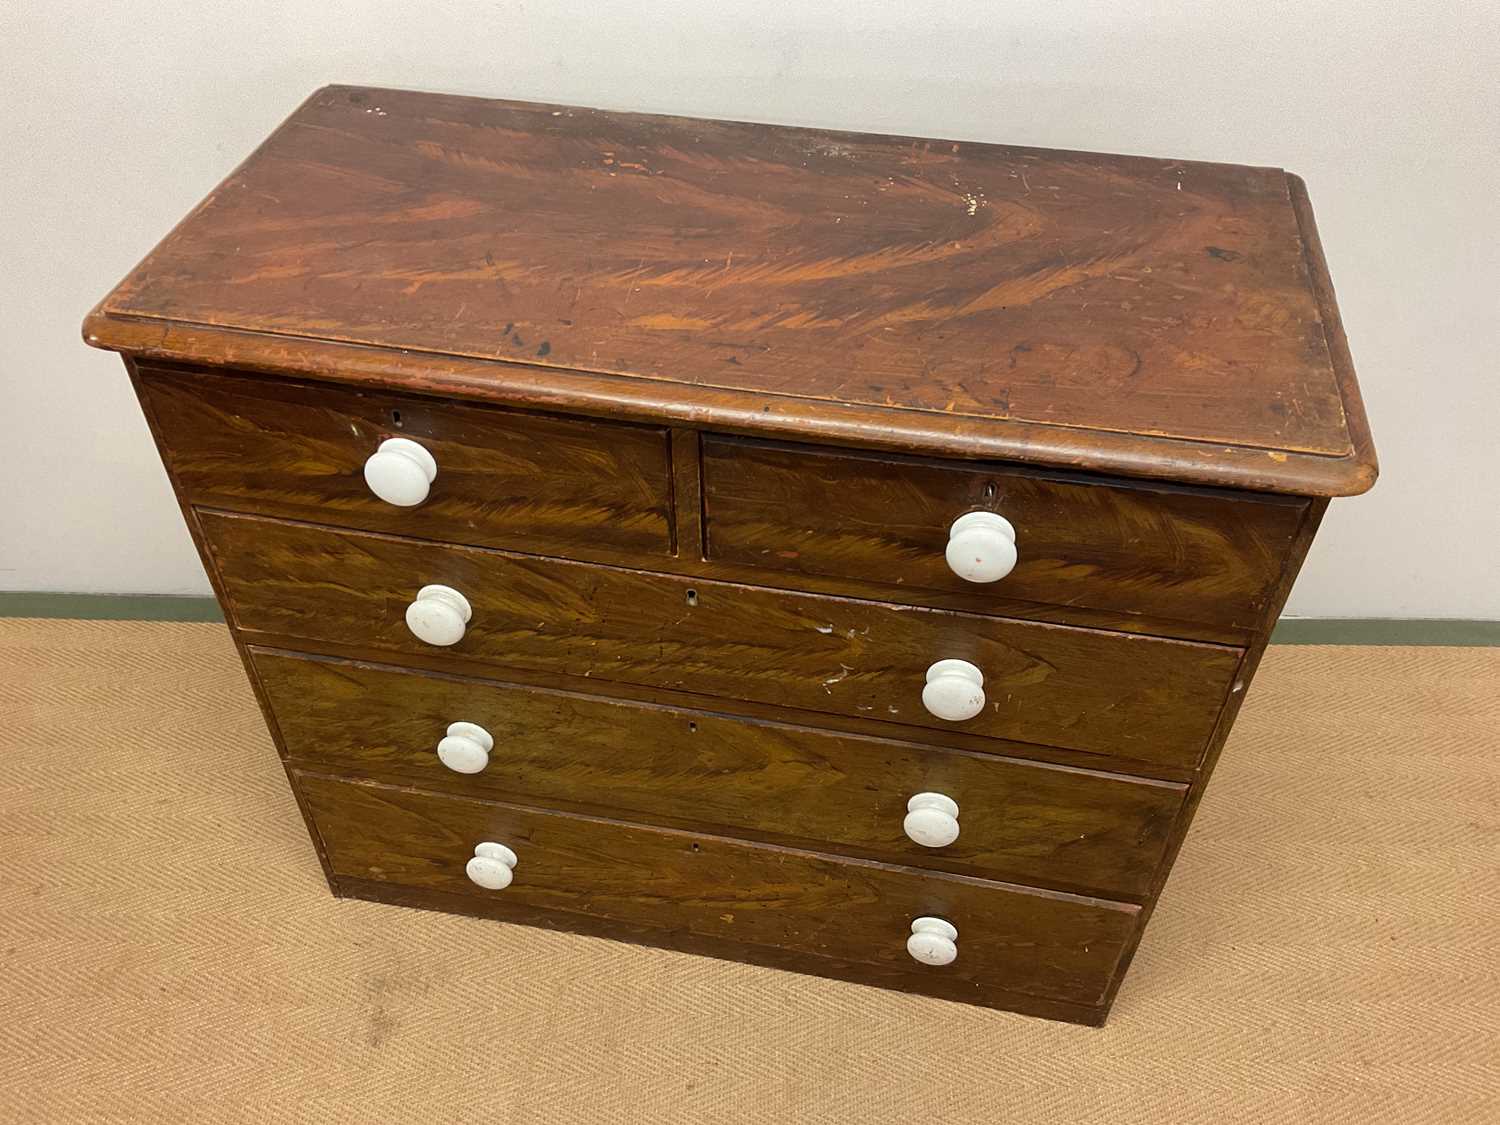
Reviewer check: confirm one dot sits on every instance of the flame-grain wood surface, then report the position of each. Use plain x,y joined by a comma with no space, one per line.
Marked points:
504,478
1214,557
619,492
858,338
1143,697
1068,829
1054,946
1116,313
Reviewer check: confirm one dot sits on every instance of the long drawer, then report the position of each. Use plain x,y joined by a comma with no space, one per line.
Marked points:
1040,943
1023,821
502,478
1186,554
1143,698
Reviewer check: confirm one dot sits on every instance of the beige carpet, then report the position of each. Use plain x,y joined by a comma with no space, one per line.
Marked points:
1327,949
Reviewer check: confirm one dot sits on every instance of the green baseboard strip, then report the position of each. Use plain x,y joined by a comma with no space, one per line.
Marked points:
1385,631
1289,631
110,607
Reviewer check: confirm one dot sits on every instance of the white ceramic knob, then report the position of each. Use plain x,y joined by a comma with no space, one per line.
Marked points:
931,820
439,615
466,749
954,691
981,547
492,866
400,471
933,941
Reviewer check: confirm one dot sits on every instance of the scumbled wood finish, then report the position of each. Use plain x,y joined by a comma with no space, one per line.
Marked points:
1058,947
1158,700
1249,664
241,442
1110,313
705,398
783,783
504,479
1213,557
915,979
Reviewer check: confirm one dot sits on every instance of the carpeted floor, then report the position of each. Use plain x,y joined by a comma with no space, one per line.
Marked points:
1327,949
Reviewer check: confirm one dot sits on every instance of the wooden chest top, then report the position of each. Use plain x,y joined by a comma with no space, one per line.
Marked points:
1120,314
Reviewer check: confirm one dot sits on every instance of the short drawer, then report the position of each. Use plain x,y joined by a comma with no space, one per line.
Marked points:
1050,825
1040,943
534,482
1189,555
1083,689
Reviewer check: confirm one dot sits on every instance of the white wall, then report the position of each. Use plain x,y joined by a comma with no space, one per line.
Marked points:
117,118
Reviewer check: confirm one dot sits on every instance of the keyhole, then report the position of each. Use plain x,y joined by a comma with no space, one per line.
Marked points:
396,418
692,597
989,490
692,728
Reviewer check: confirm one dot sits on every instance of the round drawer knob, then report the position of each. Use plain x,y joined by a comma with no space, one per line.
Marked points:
931,820
439,615
492,866
981,547
466,749
954,691
933,941
400,471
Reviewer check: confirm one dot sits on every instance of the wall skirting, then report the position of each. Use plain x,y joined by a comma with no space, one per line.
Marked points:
1385,631
1290,631
110,607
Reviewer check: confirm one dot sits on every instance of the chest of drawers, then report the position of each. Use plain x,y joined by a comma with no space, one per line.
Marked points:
840,553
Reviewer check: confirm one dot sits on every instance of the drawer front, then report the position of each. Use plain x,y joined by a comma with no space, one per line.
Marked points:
1107,693
1185,555
503,478
1036,942
1074,829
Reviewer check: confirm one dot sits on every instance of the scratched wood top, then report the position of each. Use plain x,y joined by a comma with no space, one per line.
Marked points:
1124,314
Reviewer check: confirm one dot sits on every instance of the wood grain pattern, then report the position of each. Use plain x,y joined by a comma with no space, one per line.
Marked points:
504,478
1045,944
600,323
916,979
1180,553
1143,697
190,518
1067,829
531,482
447,663
1115,313
1244,677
